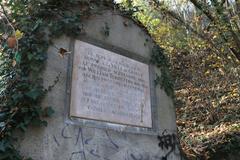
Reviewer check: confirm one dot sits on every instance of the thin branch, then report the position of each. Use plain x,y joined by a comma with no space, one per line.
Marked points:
202,7
4,14
4,11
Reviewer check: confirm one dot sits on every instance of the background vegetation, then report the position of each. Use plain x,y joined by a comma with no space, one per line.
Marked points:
202,42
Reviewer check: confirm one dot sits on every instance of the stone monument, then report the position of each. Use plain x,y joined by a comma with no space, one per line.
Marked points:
107,106
109,87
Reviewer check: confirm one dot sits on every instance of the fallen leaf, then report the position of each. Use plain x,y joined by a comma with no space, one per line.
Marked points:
11,41
14,63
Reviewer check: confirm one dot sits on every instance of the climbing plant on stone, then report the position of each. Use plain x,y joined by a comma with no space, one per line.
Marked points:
27,29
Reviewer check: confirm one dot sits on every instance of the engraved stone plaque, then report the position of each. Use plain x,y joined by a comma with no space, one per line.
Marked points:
109,87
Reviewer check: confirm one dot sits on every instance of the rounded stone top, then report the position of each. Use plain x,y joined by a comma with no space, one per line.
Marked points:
105,22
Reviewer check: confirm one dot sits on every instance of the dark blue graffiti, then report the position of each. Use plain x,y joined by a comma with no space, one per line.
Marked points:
169,142
92,152
78,136
75,154
63,133
136,158
112,142
56,141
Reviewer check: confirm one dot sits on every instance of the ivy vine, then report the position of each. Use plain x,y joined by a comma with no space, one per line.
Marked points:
27,28
158,57
26,33
160,60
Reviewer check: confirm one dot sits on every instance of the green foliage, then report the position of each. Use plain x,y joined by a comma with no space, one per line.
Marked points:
140,11
106,30
162,62
48,111
201,39
21,87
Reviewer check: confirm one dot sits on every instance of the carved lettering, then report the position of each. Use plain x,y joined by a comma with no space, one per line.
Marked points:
109,87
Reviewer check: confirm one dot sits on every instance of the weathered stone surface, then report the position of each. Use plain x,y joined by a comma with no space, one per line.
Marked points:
109,87
61,141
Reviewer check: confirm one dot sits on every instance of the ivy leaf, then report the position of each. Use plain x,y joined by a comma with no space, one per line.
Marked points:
2,124
18,57
30,56
2,146
38,23
44,123
3,116
34,94
17,96
48,112
39,122
22,126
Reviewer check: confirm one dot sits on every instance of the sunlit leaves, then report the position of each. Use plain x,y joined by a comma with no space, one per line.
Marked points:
201,41
18,34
